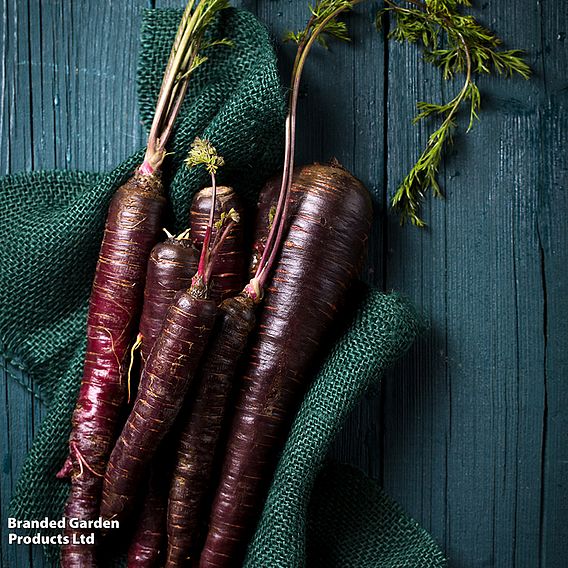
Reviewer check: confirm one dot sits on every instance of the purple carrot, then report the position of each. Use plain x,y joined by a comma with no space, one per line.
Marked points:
170,268
133,224
165,379
193,470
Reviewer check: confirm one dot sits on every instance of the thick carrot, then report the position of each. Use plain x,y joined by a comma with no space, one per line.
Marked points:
170,268
318,261
193,470
132,228
230,264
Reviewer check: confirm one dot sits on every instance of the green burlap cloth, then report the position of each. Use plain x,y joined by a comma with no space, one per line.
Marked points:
50,228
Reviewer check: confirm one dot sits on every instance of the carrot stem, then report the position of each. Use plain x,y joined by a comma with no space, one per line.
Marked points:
312,31
184,59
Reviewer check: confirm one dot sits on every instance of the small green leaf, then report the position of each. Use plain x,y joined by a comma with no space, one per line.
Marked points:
203,152
271,215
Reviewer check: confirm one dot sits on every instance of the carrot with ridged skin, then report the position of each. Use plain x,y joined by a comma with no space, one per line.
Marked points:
132,228
164,383
318,262
193,470
170,268
230,263
204,412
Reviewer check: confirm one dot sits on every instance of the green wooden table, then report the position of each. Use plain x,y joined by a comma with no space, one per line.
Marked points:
470,431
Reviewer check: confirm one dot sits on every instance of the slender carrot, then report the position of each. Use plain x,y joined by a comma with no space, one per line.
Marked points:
193,470
164,383
170,268
229,271
132,227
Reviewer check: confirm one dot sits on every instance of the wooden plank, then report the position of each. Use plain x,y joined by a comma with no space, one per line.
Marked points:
553,233
553,241
17,434
463,430
415,407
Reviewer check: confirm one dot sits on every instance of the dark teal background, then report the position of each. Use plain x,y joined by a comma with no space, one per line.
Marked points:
470,432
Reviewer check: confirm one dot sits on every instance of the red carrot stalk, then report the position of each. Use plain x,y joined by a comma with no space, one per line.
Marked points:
166,377
316,263
132,226
229,270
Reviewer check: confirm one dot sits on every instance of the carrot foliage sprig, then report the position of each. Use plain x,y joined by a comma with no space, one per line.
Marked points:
458,45
186,56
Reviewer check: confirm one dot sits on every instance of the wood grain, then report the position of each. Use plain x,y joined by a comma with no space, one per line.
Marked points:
469,432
